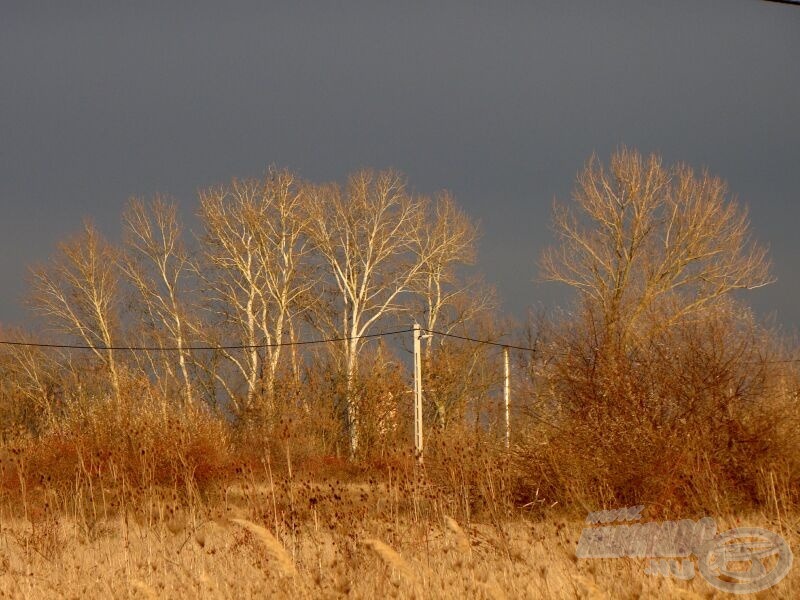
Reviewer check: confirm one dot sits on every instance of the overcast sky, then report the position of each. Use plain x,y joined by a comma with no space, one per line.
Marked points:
501,103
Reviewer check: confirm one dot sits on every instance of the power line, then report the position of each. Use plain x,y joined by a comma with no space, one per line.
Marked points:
198,348
477,341
529,349
298,343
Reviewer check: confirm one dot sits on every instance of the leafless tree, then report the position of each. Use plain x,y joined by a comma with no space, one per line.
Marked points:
32,375
368,238
651,244
78,294
382,247
447,242
158,265
257,251
658,359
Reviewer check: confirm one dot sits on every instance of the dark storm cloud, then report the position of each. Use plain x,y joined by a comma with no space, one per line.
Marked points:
501,105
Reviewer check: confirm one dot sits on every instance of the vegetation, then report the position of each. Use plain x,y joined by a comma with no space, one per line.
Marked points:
197,446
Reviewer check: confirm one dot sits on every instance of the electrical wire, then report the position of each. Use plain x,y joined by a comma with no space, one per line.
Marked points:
299,343
199,348
528,349
477,341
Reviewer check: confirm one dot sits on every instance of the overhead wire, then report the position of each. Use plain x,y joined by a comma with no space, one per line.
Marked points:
479,341
199,348
296,343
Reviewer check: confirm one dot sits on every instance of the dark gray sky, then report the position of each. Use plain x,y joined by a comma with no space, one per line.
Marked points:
501,105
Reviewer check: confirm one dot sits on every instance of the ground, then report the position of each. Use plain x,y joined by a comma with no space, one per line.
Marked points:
313,540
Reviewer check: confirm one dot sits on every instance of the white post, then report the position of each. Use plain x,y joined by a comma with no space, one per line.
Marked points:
507,396
417,393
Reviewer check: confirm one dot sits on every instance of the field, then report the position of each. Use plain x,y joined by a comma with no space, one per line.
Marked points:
227,412
264,535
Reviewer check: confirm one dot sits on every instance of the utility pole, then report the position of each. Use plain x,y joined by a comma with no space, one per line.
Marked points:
507,395
417,392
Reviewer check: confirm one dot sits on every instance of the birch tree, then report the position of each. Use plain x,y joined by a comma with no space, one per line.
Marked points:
78,293
369,236
257,251
158,265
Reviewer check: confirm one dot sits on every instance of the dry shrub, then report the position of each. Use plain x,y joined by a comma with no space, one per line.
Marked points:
691,419
471,473
459,380
144,438
308,421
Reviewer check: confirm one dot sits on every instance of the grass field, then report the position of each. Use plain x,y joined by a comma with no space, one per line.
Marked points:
272,537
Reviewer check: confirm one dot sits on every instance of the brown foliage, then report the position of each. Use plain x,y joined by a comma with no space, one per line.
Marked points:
659,388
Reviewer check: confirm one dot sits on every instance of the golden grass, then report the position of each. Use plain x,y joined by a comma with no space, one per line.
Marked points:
377,547
180,511
391,558
272,547
461,538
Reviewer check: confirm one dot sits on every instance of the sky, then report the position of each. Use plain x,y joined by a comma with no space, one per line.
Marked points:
501,103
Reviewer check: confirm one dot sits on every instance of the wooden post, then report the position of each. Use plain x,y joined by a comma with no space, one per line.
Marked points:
417,393
507,395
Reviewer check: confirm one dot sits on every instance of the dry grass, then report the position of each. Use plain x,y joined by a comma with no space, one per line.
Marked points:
133,561
392,559
85,514
272,548
461,538
143,498
303,539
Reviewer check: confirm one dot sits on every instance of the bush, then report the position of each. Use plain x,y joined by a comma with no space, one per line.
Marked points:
687,421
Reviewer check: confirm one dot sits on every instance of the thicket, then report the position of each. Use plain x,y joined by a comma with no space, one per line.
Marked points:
658,386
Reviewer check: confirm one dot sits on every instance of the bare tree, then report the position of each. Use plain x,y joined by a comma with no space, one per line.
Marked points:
286,250
445,300
447,241
650,244
78,294
158,265
658,359
368,236
257,251
33,375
